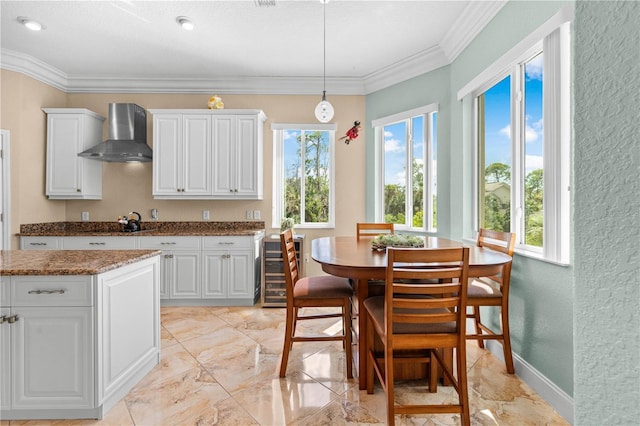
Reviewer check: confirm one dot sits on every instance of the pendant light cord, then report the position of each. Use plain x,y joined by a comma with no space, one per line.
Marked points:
324,49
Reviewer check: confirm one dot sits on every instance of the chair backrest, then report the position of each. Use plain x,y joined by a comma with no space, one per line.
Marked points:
504,242
501,241
440,303
290,262
373,229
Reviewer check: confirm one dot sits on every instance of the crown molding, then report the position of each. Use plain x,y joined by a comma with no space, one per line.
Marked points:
34,68
473,19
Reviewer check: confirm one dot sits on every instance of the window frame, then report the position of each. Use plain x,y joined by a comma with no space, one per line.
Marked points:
427,111
277,213
554,43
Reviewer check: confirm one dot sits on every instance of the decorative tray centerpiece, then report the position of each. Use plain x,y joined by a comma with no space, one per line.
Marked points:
381,242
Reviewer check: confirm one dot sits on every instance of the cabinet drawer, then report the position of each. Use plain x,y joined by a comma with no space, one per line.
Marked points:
227,243
170,243
51,291
40,243
99,243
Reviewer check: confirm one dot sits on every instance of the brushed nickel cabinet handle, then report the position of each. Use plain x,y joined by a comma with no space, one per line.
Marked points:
61,291
12,319
2,318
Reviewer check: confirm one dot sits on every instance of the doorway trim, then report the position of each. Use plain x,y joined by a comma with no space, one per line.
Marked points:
5,208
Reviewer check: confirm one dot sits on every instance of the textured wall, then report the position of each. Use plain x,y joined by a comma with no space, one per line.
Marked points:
607,213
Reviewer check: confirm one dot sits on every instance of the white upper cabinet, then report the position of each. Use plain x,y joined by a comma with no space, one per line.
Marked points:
182,155
69,132
208,154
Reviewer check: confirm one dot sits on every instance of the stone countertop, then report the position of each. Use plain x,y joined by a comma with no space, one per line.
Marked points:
68,262
88,229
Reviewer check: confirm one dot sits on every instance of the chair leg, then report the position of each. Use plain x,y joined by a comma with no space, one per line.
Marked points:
476,322
463,390
288,333
388,385
346,327
433,372
370,359
506,339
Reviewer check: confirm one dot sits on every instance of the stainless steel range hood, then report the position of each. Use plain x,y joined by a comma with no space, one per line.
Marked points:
127,136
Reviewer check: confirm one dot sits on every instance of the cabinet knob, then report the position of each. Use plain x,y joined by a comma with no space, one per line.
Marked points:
2,318
12,319
78,190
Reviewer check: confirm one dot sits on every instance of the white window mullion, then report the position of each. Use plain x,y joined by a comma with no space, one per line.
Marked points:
303,174
408,205
427,175
556,146
277,206
517,150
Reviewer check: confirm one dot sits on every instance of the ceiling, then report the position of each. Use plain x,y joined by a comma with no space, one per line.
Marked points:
241,46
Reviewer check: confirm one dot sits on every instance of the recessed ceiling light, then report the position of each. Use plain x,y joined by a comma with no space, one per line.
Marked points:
185,23
30,23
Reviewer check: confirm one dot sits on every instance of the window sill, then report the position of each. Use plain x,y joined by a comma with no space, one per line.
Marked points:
529,254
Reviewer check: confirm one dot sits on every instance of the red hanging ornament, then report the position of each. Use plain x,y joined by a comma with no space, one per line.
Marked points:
352,133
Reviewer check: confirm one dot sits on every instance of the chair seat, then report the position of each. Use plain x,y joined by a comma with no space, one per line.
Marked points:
375,307
483,288
322,287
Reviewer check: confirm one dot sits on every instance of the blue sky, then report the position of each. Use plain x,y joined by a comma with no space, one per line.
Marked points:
497,114
395,149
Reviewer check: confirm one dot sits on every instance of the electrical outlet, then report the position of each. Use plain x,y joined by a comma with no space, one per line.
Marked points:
154,214
249,214
256,214
85,216
205,215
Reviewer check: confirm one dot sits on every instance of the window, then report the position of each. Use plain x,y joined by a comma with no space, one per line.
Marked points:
522,141
406,169
303,174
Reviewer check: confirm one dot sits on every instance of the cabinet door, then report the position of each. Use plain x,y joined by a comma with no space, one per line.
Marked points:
240,278
248,158
224,156
197,155
184,281
70,131
53,359
167,154
214,275
5,360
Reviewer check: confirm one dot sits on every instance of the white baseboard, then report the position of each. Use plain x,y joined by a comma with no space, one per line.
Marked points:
552,394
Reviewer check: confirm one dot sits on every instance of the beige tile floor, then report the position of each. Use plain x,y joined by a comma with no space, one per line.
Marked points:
220,366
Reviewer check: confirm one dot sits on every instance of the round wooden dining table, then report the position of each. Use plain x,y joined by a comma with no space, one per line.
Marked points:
354,258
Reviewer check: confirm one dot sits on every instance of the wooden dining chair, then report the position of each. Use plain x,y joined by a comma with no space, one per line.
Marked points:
313,292
373,229
413,318
493,291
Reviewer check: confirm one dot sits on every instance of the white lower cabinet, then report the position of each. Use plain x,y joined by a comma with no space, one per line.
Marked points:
182,274
194,270
5,345
53,352
229,269
180,265
73,346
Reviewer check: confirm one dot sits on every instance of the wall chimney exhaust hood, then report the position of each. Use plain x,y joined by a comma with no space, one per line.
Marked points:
127,136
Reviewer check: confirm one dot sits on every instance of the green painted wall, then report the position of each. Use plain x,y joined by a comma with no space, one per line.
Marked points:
607,213
541,293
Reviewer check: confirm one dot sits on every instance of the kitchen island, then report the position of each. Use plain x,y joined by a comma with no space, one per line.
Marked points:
78,329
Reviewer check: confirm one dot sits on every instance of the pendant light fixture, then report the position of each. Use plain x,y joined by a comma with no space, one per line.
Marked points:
324,110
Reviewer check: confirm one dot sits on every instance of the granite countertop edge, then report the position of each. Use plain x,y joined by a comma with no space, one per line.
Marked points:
114,229
68,262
